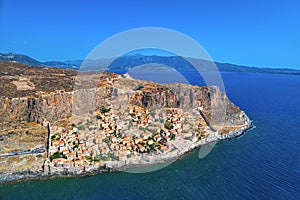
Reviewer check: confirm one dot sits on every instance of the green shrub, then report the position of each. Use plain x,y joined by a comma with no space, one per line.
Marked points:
106,140
172,136
168,125
104,110
57,154
139,87
55,137
75,146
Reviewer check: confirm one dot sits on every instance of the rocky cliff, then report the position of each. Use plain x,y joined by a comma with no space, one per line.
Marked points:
58,94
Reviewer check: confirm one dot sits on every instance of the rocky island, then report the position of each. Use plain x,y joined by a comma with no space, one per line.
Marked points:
58,122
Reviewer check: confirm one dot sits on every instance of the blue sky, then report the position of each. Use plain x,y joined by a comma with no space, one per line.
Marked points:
249,32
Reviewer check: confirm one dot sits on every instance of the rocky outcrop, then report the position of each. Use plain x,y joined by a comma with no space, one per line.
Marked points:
92,91
156,96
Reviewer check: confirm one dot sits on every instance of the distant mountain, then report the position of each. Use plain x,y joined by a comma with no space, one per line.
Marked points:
124,63
227,67
30,61
20,58
180,63
74,62
59,64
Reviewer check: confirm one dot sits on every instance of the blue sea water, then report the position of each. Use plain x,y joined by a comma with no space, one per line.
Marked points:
263,164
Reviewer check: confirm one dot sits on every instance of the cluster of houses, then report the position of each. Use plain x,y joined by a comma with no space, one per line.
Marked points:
68,149
100,139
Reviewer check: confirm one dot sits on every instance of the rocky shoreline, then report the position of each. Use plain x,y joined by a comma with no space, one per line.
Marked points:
236,134
28,175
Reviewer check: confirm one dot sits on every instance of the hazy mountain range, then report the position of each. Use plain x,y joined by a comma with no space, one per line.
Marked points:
131,61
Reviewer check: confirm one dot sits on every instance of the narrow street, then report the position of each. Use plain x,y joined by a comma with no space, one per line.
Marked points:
35,151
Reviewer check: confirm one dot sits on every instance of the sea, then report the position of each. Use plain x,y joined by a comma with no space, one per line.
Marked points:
262,164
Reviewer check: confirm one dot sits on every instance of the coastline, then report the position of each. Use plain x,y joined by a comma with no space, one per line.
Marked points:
28,175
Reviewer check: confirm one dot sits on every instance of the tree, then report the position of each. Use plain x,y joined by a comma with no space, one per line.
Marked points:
168,125
104,110
57,154
139,87
152,147
172,136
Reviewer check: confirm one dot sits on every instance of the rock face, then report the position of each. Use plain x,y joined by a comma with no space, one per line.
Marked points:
152,96
90,92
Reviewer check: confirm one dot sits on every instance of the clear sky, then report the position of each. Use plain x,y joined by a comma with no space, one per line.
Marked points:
248,32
